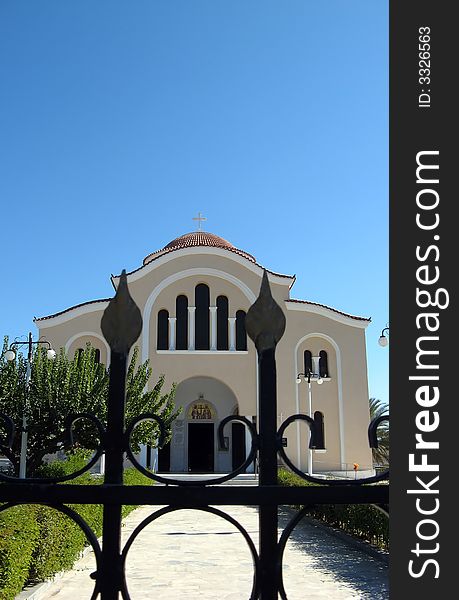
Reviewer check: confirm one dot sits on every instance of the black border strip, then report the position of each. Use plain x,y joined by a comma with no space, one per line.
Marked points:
422,124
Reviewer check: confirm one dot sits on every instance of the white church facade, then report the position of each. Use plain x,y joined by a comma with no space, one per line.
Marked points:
193,295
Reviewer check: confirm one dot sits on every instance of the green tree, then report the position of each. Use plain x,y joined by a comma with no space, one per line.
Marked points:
381,453
62,387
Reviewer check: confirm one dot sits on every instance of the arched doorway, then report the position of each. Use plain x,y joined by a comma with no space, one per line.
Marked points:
194,447
201,421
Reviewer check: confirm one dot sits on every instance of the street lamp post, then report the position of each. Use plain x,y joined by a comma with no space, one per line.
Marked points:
307,377
10,355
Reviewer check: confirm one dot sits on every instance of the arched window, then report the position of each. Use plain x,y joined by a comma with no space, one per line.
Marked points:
181,332
202,302
323,364
320,429
222,323
307,362
241,336
162,342
97,355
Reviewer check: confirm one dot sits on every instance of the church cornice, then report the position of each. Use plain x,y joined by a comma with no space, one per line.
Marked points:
231,253
79,309
327,311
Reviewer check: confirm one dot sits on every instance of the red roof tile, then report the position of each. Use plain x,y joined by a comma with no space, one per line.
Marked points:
197,238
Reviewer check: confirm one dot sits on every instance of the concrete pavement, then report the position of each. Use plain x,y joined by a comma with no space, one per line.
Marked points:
192,554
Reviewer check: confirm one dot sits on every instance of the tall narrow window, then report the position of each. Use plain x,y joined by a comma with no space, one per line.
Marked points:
307,362
97,355
320,429
202,301
241,336
222,323
163,330
323,364
181,313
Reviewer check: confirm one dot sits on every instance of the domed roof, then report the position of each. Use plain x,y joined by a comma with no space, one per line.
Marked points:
197,238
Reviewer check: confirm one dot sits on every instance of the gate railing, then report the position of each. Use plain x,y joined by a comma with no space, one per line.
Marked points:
121,325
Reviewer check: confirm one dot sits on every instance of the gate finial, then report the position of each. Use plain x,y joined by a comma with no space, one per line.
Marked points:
121,322
265,321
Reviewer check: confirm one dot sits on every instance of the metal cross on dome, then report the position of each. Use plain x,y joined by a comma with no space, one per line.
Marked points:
199,218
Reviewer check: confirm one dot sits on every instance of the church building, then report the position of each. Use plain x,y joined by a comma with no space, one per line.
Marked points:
193,295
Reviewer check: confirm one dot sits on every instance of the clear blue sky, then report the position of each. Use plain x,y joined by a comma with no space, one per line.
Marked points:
120,120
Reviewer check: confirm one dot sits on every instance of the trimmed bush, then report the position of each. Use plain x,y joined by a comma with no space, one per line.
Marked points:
19,533
61,541
37,542
362,521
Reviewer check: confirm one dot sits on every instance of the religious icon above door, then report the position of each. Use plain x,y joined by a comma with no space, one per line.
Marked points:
201,411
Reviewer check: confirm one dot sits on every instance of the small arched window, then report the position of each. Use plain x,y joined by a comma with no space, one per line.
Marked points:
323,364
222,323
241,336
307,362
97,355
320,430
202,302
181,313
163,330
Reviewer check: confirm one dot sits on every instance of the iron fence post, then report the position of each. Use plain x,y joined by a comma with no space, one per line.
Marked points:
268,517
265,324
121,325
112,572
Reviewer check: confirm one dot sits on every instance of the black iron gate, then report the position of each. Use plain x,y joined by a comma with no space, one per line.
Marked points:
121,326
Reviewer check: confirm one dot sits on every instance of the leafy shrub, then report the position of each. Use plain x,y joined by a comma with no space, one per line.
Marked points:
74,461
65,386
61,541
362,521
19,533
37,541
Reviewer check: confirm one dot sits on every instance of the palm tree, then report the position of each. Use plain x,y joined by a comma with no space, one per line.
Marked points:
381,453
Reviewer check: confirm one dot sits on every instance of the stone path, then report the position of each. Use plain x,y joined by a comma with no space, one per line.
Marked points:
191,554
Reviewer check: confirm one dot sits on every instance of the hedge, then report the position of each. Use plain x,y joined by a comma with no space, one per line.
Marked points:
37,542
362,521
19,534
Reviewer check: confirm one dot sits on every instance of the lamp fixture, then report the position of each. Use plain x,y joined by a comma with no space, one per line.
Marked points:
383,340
11,354
308,377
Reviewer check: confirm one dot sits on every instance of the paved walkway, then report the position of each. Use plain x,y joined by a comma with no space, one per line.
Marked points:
191,554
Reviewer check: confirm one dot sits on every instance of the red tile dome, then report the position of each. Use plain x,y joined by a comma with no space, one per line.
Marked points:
197,238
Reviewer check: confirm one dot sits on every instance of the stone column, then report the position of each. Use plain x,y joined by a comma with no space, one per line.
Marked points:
232,333
213,327
172,321
191,317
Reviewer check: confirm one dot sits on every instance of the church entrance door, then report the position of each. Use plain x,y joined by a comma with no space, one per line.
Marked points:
201,447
